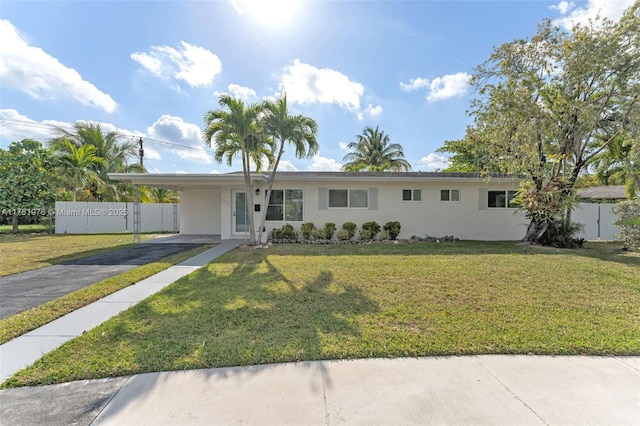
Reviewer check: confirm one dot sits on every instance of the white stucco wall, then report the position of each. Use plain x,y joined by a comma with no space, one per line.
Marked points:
465,219
200,212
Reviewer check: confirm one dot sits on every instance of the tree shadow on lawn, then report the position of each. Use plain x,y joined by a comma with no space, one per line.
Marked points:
222,315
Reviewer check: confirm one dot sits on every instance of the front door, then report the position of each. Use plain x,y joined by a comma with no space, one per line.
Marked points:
240,213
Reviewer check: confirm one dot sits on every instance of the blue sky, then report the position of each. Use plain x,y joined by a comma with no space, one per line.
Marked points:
153,68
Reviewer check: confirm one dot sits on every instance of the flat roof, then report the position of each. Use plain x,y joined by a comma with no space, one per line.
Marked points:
181,180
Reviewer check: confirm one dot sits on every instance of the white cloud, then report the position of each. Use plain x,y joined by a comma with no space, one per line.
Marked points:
440,88
370,111
343,145
305,84
246,94
320,164
434,162
563,7
415,84
611,9
287,166
32,70
448,86
15,127
174,130
194,65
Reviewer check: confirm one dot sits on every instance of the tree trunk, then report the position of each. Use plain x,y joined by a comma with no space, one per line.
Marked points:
14,223
535,231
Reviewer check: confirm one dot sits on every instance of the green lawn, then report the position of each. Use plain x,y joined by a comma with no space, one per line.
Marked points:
23,322
24,252
306,302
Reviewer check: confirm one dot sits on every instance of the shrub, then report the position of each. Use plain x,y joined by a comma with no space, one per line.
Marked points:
307,230
629,222
319,234
369,230
393,229
329,230
350,227
288,232
343,235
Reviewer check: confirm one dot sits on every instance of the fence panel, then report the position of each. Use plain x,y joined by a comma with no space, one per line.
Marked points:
91,217
597,220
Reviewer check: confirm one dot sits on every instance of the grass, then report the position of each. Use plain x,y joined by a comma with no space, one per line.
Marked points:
24,252
23,322
25,229
298,302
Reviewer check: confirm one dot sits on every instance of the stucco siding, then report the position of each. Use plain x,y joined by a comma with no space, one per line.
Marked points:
429,216
200,212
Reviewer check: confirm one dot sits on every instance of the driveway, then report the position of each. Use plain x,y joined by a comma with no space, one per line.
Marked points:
27,290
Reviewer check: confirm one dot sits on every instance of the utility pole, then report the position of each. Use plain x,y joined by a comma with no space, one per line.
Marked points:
137,214
141,152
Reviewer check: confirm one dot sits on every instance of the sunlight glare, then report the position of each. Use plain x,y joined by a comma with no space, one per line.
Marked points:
270,12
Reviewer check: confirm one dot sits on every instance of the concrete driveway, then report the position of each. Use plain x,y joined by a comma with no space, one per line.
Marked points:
27,290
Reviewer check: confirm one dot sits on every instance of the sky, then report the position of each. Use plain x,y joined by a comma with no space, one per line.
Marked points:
152,69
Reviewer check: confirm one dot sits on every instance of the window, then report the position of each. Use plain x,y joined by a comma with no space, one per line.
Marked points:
285,205
412,195
349,198
449,195
501,199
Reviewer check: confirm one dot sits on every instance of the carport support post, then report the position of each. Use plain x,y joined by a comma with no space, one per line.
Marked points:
137,217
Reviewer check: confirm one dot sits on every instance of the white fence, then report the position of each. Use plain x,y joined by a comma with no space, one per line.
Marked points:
91,217
597,220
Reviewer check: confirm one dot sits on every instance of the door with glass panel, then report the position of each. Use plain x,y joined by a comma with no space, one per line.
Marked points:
240,213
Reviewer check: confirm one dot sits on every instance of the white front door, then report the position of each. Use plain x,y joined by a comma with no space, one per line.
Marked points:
240,213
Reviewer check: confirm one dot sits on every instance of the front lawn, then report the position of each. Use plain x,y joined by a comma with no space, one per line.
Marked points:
309,302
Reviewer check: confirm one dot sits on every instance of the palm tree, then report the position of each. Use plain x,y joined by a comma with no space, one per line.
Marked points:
616,166
159,195
78,164
116,155
297,130
373,152
236,130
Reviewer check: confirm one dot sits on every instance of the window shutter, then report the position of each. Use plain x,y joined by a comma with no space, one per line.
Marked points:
323,198
373,198
483,198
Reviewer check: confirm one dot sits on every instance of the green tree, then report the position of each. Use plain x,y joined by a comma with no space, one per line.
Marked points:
469,156
373,152
26,180
78,164
543,102
117,156
159,195
297,130
237,130
616,165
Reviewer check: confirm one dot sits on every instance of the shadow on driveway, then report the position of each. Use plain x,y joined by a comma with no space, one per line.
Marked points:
27,290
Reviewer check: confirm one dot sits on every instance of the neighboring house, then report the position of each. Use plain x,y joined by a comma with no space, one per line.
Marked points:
464,205
608,194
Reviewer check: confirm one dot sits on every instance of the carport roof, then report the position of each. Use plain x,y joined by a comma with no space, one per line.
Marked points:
181,180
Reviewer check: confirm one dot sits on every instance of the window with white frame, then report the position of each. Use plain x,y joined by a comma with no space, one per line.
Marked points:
285,204
501,199
352,198
412,195
450,195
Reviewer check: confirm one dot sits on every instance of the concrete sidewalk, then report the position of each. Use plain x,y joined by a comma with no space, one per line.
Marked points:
473,390
26,349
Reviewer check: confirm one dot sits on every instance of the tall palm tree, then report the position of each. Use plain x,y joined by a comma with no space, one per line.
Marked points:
237,130
78,164
373,152
297,130
119,157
